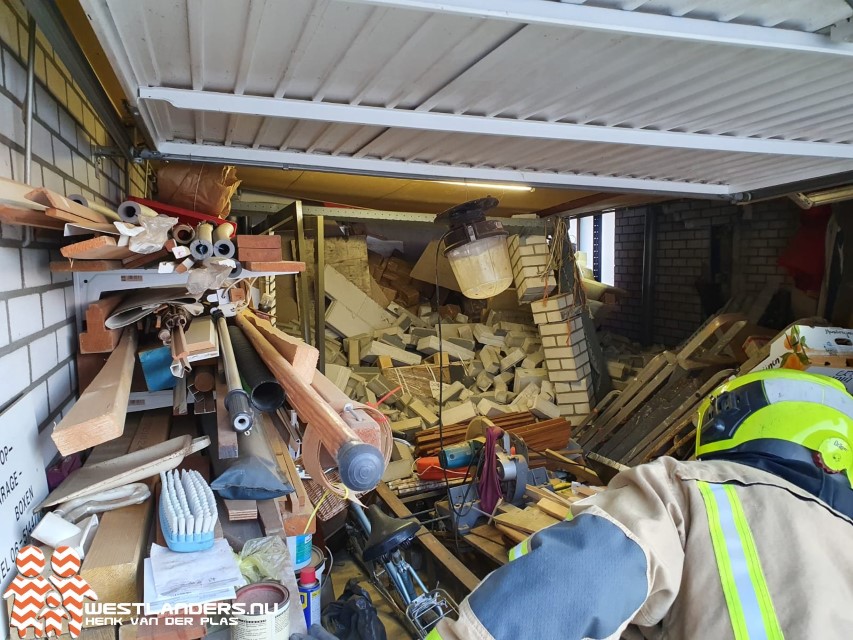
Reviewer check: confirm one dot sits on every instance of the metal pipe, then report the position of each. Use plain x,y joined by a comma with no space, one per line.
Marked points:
237,400
302,278
650,235
320,293
265,392
29,108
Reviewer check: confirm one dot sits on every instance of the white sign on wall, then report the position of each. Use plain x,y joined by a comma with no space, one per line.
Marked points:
23,485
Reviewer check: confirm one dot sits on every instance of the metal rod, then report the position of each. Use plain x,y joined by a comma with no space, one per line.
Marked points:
320,293
237,400
30,102
302,279
650,234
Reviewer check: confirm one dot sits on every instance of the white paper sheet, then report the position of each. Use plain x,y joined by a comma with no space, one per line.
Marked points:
175,573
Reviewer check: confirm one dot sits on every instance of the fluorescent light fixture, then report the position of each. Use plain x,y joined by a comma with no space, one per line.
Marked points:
816,198
487,185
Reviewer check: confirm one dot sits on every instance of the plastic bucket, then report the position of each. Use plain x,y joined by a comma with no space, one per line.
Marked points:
259,623
300,550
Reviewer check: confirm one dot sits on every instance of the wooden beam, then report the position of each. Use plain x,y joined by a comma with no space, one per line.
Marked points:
301,355
439,551
97,338
294,509
99,414
84,266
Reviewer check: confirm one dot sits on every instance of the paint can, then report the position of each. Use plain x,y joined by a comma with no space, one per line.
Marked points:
300,550
318,561
267,612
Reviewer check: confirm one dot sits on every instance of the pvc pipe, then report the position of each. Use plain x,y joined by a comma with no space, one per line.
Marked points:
237,400
265,391
360,465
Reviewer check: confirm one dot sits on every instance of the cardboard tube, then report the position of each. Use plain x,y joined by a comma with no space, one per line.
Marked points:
360,465
183,234
94,206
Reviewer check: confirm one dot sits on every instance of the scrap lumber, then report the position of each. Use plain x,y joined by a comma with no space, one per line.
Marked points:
96,338
241,509
98,248
528,520
303,357
62,217
28,217
113,563
52,199
99,414
295,508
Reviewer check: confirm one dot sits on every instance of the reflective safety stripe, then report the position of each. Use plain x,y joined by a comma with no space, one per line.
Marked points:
433,635
744,587
520,549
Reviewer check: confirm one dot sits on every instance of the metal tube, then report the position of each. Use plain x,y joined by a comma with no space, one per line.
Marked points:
320,294
416,578
362,518
650,235
30,103
302,279
237,400
398,580
265,392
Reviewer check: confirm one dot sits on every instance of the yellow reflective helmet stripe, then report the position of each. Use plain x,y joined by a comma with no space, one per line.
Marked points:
519,550
744,587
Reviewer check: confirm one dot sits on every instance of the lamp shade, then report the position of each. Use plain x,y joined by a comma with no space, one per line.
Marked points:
481,267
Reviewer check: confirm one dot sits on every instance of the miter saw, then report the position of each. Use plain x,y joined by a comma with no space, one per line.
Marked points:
511,460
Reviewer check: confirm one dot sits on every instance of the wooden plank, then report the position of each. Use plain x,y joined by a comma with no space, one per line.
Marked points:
302,357
52,199
295,509
140,260
488,540
258,242
529,520
96,338
19,215
241,509
270,518
99,248
84,266
99,414
280,266
429,541
553,508
60,217
200,336
114,563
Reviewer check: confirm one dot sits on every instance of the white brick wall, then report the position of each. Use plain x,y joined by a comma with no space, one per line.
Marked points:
37,332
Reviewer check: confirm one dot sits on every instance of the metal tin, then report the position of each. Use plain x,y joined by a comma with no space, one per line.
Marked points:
263,623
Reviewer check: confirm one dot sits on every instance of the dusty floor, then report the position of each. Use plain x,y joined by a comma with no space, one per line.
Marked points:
344,569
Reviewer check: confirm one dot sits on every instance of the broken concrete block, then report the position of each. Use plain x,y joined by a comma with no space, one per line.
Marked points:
381,386
506,377
468,345
466,394
338,375
513,358
406,428
547,390
531,344
490,359
461,317
515,338
423,332
400,357
420,410
485,381
501,392
450,392
345,293
544,408
431,344
524,377
394,341
492,409
460,413
484,335
534,359
524,400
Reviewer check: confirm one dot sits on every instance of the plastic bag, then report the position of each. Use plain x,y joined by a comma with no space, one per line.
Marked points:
199,187
250,478
155,232
211,276
264,559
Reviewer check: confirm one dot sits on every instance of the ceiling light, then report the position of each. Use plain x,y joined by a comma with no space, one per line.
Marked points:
816,198
488,185
476,249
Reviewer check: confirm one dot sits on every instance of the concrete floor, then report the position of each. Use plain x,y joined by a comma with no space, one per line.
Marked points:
344,569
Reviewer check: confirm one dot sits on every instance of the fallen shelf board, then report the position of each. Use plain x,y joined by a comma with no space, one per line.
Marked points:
99,414
132,467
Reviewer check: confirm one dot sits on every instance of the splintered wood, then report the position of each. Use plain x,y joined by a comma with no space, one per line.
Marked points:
539,436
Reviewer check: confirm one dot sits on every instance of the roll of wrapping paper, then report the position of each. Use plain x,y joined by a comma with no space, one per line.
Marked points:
183,234
202,246
130,211
94,206
222,245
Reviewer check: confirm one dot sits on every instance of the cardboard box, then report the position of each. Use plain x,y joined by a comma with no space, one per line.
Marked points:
824,350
